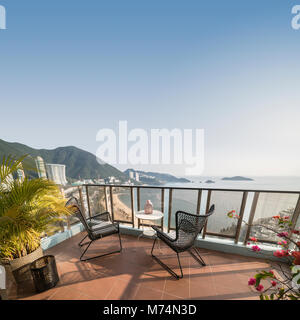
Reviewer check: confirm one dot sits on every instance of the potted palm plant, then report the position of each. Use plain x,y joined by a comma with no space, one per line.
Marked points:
28,207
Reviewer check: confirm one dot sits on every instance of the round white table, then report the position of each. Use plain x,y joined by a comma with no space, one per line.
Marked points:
155,215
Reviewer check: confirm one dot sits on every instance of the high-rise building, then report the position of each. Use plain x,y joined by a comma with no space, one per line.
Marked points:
131,174
137,176
56,173
20,173
40,165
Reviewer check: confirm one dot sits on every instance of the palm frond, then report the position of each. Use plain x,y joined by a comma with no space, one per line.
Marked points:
27,209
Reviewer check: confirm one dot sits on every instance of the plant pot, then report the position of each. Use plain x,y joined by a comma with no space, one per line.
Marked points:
44,273
20,267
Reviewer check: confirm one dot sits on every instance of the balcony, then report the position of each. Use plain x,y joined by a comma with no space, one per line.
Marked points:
134,274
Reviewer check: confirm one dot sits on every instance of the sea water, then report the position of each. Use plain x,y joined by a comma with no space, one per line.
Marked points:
269,204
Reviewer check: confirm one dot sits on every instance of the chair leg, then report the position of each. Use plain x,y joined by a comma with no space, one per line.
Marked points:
82,244
120,242
173,273
85,250
197,257
102,255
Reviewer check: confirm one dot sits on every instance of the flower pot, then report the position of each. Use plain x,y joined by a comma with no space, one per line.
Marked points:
20,267
44,273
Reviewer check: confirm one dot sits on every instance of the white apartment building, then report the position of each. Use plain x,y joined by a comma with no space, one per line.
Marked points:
56,173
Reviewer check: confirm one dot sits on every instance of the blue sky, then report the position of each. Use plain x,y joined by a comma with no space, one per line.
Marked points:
70,68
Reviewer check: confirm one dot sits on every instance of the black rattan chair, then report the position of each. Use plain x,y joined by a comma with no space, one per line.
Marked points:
188,227
98,219
97,227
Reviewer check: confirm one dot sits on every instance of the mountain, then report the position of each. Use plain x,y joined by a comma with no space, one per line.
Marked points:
79,163
156,178
237,178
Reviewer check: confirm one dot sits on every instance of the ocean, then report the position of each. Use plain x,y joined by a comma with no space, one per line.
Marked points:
258,183
269,204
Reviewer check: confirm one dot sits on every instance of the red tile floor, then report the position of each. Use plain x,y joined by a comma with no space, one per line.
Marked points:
134,274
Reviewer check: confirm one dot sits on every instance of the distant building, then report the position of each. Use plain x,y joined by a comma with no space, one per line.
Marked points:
88,181
131,174
111,180
40,165
20,173
57,173
134,175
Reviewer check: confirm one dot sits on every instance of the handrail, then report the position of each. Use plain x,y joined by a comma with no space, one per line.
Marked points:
190,188
136,199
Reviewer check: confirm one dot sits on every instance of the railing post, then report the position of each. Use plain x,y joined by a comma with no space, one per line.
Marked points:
170,209
132,205
241,215
81,201
162,207
106,200
251,216
296,215
138,204
111,203
206,211
68,223
199,201
88,200
61,225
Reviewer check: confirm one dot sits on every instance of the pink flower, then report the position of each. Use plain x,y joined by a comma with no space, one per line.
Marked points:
260,287
251,282
230,213
296,255
274,283
271,271
281,253
286,252
278,253
283,234
283,242
255,248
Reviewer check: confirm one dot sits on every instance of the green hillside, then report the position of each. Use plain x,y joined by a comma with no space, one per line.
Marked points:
79,163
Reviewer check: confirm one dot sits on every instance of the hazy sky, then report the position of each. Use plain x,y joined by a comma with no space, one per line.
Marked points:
69,68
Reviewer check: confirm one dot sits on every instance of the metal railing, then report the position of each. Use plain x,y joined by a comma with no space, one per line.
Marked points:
122,201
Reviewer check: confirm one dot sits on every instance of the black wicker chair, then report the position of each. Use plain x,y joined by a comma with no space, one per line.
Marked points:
188,227
97,227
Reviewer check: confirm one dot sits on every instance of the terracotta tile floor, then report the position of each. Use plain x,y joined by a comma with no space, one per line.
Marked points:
134,274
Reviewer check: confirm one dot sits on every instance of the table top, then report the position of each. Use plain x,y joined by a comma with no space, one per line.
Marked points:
155,215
